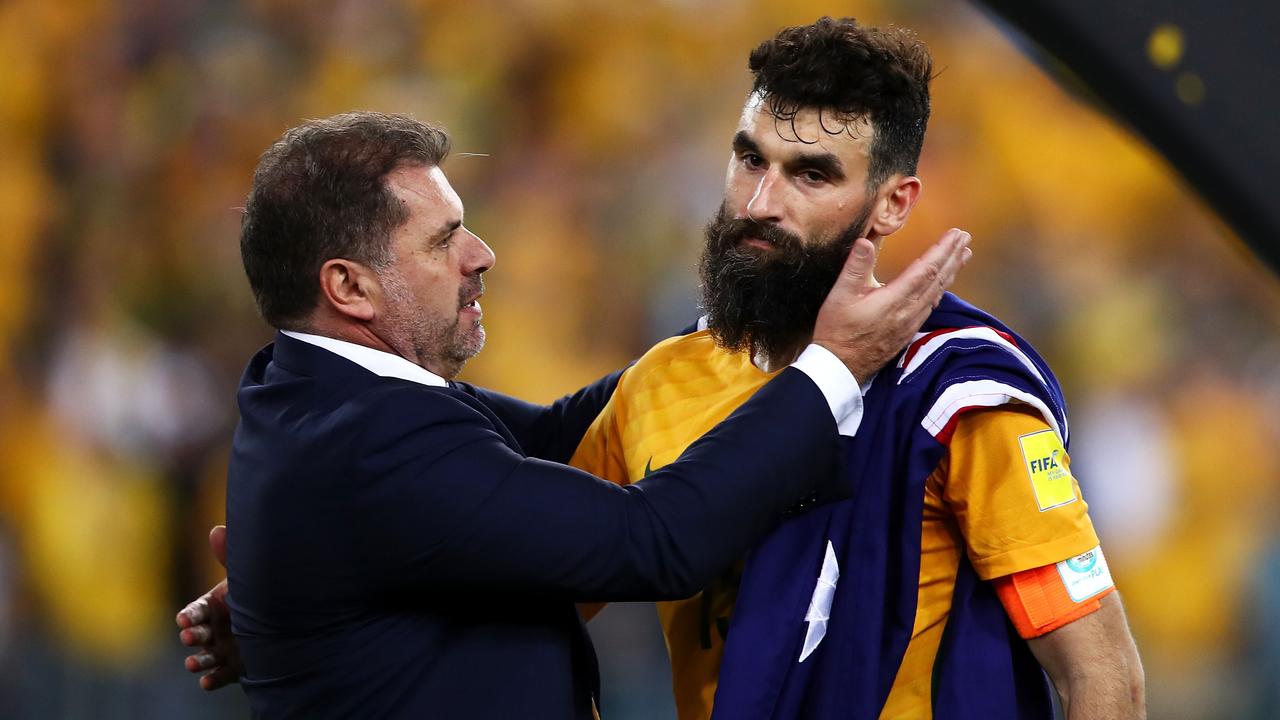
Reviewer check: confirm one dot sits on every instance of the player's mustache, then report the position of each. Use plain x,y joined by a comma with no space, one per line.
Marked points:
734,230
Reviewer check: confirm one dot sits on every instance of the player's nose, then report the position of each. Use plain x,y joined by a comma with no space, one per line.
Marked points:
766,204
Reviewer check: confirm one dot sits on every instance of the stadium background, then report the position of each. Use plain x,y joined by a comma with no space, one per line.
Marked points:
129,133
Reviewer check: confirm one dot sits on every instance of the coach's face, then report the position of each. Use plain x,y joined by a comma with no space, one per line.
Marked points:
430,312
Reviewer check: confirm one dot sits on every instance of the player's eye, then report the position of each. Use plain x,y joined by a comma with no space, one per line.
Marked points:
752,161
813,177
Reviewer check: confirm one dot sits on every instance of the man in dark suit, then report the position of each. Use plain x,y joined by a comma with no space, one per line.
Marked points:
402,545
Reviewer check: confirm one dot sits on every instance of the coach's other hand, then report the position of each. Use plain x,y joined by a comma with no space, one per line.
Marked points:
866,324
206,624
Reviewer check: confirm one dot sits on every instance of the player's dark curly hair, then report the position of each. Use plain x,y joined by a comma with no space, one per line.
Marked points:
850,71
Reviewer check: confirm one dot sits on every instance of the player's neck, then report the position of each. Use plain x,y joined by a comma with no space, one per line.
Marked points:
775,362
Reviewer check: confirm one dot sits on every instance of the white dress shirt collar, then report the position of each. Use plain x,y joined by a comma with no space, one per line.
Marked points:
379,363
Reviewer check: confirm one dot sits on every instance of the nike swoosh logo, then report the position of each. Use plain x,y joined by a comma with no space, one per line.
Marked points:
648,467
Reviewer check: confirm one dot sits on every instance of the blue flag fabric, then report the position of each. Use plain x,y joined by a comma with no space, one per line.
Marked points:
851,657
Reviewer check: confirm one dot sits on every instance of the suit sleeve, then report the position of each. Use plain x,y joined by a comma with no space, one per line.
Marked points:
550,432
601,453
449,507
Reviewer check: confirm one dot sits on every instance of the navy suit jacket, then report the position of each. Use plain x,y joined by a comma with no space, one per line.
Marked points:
400,550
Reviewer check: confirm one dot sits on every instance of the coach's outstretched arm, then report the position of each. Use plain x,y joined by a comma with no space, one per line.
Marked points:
865,323
860,325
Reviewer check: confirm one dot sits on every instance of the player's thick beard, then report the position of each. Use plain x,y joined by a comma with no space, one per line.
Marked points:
766,302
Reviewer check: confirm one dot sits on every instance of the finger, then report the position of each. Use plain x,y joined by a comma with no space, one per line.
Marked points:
951,266
859,266
220,677
196,636
194,614
202,661
966,255
948,245
926,269
916,284
218,599
218,541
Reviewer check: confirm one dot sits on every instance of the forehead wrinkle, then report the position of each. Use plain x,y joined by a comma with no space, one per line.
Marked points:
432,193
395,182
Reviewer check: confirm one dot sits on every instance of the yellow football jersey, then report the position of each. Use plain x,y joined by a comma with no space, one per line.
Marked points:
676,393
986,498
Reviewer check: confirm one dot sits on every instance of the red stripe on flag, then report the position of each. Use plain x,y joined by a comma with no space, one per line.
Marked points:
944,435
914,347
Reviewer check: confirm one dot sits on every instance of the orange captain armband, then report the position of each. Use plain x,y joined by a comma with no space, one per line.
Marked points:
1043,599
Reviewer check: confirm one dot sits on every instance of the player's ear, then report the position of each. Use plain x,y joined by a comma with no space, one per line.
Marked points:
350,288
897,196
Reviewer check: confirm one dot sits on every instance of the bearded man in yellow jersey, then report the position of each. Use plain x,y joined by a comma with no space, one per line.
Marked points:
967,561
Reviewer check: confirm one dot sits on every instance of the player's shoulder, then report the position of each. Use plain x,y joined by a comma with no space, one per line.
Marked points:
964,359
697,343
961,338
694,349
692,358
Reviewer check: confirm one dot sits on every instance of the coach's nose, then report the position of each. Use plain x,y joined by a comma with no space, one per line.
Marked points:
479,256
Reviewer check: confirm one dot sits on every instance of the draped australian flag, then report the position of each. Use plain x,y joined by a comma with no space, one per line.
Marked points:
1196,79
828,600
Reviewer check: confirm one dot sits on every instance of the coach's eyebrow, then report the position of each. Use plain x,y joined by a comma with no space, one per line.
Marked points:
447,229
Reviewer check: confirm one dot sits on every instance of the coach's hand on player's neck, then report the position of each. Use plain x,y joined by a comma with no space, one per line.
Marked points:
865,324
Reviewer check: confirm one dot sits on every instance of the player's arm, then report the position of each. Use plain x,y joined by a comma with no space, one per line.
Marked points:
1072,619
1029,533
1094,664
205,624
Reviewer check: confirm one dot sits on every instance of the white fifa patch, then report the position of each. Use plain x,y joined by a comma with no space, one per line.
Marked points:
820,605
1085,575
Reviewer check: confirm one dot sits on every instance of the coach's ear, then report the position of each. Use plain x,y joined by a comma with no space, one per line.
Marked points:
895,199
350,289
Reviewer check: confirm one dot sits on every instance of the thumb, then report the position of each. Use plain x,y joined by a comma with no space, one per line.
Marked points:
855,277
218,541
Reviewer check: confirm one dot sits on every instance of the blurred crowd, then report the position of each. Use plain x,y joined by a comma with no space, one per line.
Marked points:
590,139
